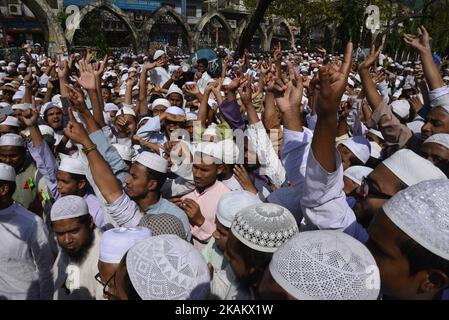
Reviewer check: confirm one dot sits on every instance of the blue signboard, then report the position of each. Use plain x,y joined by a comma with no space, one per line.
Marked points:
149,5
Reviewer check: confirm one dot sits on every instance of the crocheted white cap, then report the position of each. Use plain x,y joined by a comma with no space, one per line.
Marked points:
166,267
326,265
357,173
411,168
231,203
116,242
68,207
421,211
439,138
264,227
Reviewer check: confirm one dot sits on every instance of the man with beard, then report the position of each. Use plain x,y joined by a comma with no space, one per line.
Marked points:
25,254
142,185
14,153
76,265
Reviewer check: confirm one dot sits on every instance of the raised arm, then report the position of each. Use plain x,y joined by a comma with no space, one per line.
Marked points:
421,43
332,87
369,87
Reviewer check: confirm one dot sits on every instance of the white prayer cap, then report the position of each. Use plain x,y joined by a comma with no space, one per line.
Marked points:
264,227
415,126
166,267
7,173
110,107
125,152
226,82
5,108
439,138
10,121
18,95
176,111
357,173
122,92
161,102
126,110
158,54
231,203
230,151
46,130
304,69
421,211
49,105
72,165
326,265
152,161
401,108
132,69
56,99
68,207
110,61
351,82
174,89
212,149
191,116
114,243
11,140
212,131
377,133
359,146
411,169
376,150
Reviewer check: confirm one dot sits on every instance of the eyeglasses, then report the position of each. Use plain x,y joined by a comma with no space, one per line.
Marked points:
369,190
107,286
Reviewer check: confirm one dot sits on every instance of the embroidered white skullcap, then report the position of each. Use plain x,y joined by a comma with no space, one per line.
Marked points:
125,152
11,140
166,267
411,169
158,54
18,95
439,138
152,161
230,151
264,227
10,121
421,211
7,173
359,146
126,110
415,126
377,133
116,242
176,111
231,203
111,107
68,207
174,89
72,165
161,102
401,108
49,105
357,173
326,265
191,116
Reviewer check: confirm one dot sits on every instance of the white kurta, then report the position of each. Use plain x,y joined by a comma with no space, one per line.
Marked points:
26,258
77,281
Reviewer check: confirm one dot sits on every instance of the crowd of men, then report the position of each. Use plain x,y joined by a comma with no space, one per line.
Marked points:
294,175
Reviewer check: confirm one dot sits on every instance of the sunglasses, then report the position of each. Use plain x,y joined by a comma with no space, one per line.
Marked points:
370,191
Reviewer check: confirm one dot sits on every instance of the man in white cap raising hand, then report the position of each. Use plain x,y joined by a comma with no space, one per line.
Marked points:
162,73
143,184
25,254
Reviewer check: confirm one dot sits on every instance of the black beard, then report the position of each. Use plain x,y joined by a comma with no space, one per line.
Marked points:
79,256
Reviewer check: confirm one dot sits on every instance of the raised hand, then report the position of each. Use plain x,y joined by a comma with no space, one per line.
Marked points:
64,67
420,42
234,84
416,104
87,76
246,93
76,132
277,54
27,79
241,175
99,67
371,59
29,117
332,85
76,96
177,75
192,89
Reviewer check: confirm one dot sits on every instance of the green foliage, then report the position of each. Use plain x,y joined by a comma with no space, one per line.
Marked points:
91,35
